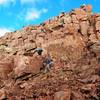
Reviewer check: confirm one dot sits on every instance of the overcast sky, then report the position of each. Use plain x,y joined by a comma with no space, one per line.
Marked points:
15,14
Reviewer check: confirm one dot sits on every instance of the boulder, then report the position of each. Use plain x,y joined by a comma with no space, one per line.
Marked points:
98,36
76,96
29,46
67,19
6,67
74,18
80,13
84,27
98,18
96,48
89,8
73,42
25,65
62,95
2,94
97,26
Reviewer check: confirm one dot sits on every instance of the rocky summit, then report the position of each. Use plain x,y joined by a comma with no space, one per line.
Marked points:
71,40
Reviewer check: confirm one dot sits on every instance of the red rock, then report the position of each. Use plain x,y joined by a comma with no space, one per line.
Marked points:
31,38
80,14
20,41
84,27
65,38
45,98
24,36
39,40
62,95
89,8
26,41
58,64
2,94
98,36
96,48
70,29
98,26
18,34
76,27
29,46
24,85
67,19
87,88
91,30
74,19
26,28
8,35
42,98
76,96
94,78
25,64
6,67
97,18
93,38
14,43
61,15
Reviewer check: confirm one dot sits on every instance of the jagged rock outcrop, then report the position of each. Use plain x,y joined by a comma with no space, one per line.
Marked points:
73,42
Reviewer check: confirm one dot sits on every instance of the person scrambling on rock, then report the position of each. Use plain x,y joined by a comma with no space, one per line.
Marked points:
83,6
47,64
39,50
87,8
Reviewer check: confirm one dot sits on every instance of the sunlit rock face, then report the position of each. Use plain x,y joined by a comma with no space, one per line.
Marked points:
72,40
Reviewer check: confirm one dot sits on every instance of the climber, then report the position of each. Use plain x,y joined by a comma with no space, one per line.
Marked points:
83,6
43,30
39,50
47,64
62,22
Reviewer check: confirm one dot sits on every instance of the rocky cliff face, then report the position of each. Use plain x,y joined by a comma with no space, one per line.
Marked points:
73,42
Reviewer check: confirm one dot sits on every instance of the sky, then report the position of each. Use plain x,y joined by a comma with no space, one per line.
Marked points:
14,14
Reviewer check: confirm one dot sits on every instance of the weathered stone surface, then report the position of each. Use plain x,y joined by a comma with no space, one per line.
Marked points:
98,36
72,40
88,8
76,96
26,65
98,26
2,94
80,14
98,18
96,48
6,67
67,18
62,95
74,19
29,46
84,27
